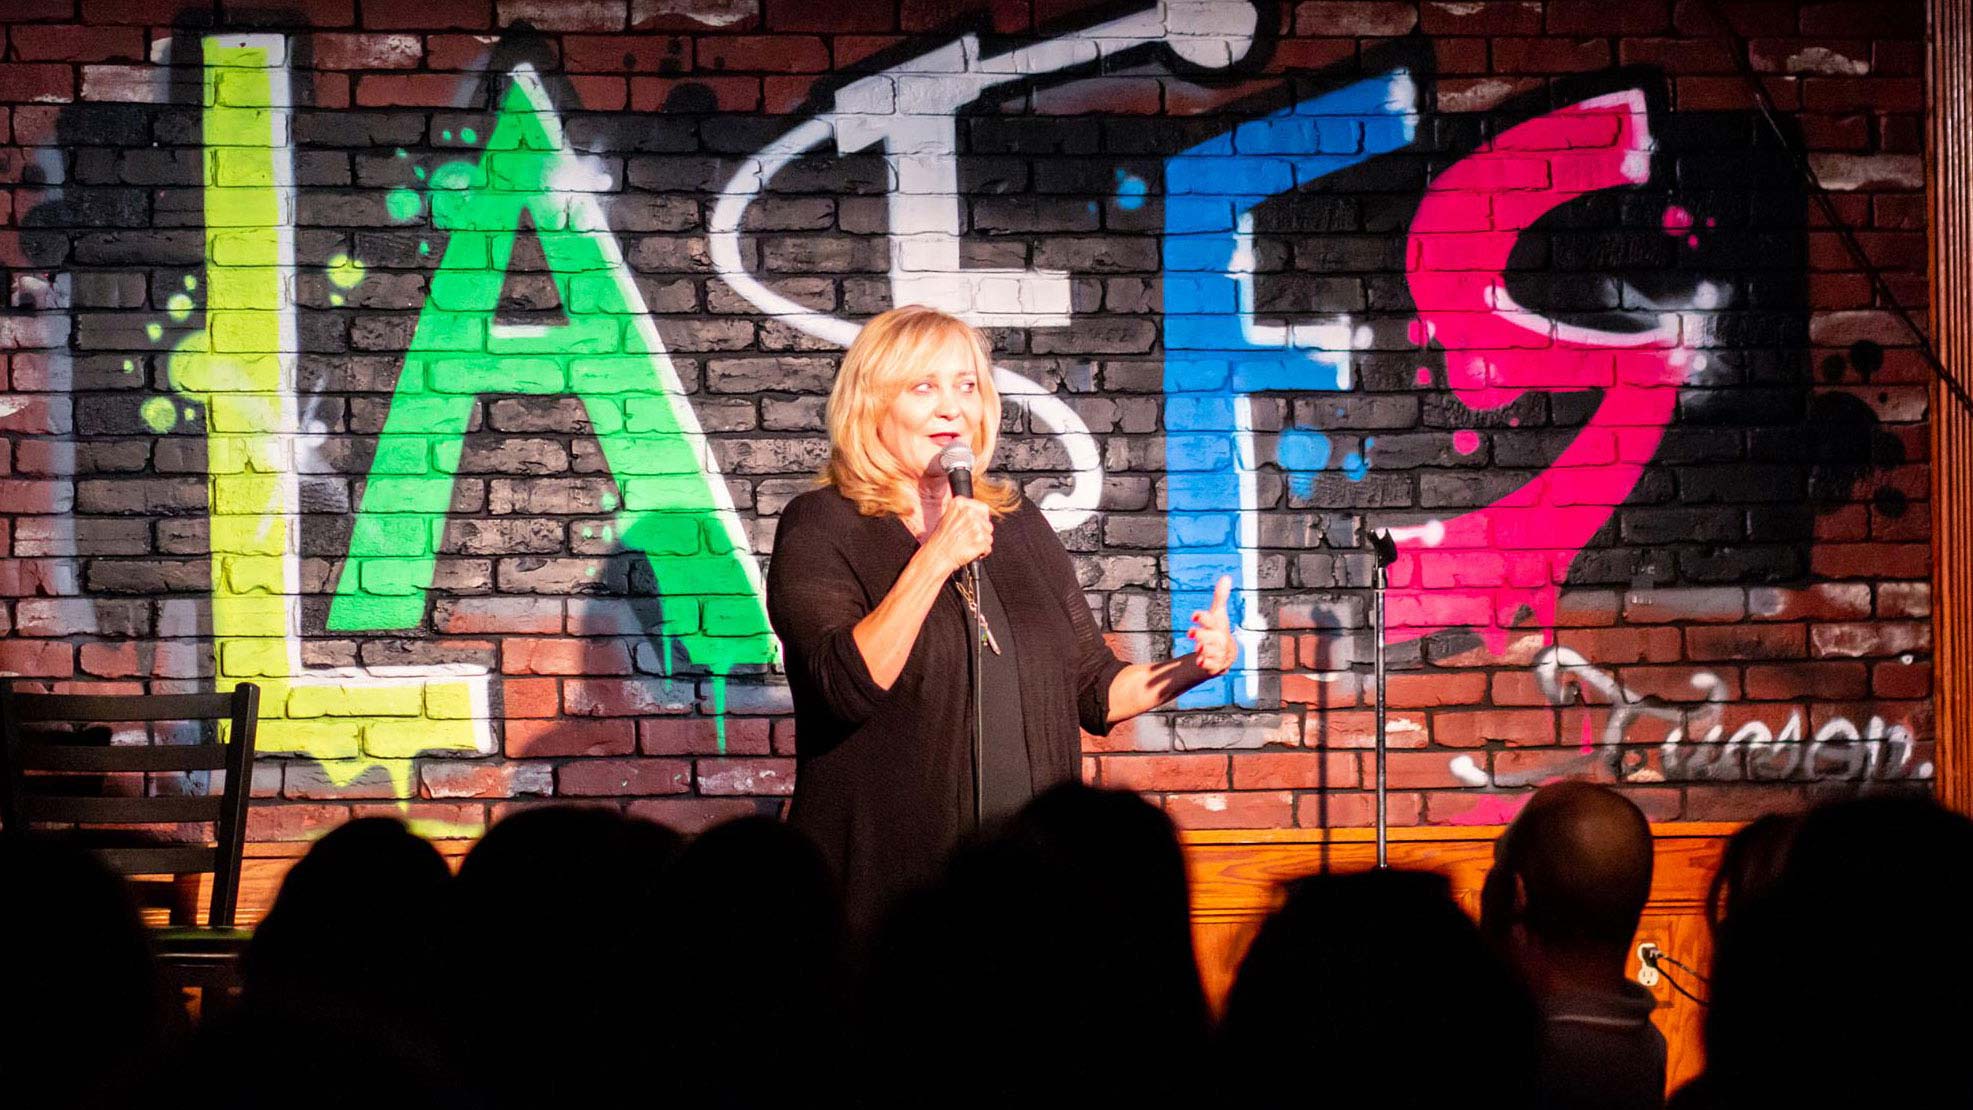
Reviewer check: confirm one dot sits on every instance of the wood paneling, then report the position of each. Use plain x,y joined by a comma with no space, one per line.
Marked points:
1949,171
1236,877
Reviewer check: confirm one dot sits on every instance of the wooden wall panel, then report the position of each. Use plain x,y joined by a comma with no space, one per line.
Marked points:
1236,877
1949,166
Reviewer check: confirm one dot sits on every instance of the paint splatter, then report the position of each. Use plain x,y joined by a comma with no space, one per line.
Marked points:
468,135
1131,191
1301,452
403,204
160,414
345,272
1356,464
1424,375
1466,441
154,331
1676,221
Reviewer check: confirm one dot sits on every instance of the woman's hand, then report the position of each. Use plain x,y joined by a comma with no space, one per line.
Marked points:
1214,648
965,533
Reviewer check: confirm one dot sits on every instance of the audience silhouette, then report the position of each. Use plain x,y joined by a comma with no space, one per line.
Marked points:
1570,879
89,1015
1354,981
1052,966
1837,986
582,958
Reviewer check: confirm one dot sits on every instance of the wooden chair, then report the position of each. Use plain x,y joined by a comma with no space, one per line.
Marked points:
49,779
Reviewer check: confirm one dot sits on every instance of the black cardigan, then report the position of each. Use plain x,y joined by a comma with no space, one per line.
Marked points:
884,785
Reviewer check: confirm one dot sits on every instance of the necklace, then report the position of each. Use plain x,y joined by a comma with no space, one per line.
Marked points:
973,603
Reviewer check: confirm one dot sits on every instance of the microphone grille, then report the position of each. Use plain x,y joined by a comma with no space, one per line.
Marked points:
957,456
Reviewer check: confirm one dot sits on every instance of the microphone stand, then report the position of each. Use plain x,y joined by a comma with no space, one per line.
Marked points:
1386,551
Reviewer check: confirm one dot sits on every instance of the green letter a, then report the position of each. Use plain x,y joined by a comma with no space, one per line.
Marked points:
675,510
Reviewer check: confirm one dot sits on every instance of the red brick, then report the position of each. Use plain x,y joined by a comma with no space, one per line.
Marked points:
762,53
1822,601
293,822
1295,771
1327,690
1904,599
1750,18
1542,765
1355,811
1741,801
24,10
700,736
1415,770
159,12
37,658
1485,17
1844,57
624,53
626,697
1248,809
1204,771
1857,640
784,737
564,15
117,660
472,52
1807,680
1549,55
1412,691
1864,17
479,778
831,18
76,43
1479,727
428,15
782,96
1871,560
1746,641
1474,808
1703,604
1358,729
730,94
1356,18
408,90
1608,646
624,776
339,51
1898,680
1598,17
1675,683
693,815
478,616
564,656
600,94
746,776
1731,94
53,84
432,820
848,51
614,736
669,15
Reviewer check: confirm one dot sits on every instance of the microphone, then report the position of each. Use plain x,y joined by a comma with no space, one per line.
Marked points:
957,462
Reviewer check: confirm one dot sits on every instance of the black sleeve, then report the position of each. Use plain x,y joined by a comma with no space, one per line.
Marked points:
814,602
1096,665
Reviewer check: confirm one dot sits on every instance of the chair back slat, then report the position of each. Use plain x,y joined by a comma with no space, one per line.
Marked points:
84,758
174,859
21,803
32,709
90,810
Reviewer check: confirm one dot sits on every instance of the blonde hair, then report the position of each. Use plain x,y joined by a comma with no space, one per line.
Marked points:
888,352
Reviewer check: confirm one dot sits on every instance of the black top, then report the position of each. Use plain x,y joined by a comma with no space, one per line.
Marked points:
1008,782
884,782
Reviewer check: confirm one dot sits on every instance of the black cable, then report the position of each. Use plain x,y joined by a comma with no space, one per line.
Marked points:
1657,958
1742,60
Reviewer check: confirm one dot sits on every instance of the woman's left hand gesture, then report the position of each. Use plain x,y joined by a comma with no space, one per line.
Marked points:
1214,649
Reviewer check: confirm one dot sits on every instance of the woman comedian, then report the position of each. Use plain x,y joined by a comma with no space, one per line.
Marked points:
863,591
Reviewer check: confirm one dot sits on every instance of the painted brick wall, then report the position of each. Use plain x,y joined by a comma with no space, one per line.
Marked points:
443,367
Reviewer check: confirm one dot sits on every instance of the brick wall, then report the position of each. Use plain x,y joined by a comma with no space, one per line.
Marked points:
443,368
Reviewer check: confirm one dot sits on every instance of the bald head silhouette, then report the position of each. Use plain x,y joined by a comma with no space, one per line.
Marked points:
1574,869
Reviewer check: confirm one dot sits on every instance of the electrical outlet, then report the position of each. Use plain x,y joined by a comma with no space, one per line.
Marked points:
1647,964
